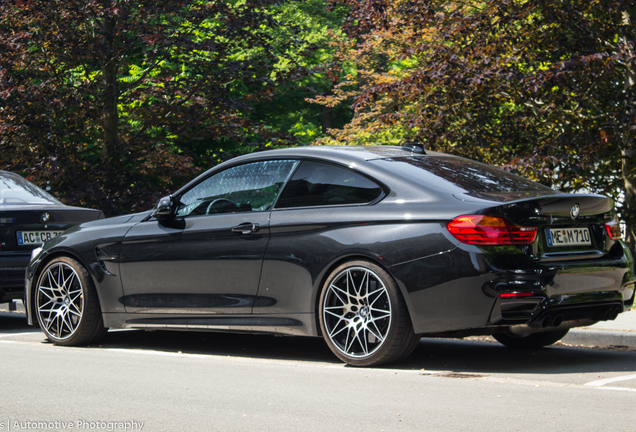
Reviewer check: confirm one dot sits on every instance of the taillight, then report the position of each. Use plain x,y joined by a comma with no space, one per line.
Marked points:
490,230
517,294
613,229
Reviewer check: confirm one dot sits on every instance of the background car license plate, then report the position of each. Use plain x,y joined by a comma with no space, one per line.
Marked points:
568,237
36,237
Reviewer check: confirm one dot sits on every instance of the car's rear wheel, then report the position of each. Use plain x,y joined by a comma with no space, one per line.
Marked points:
67,305
532,340
363,316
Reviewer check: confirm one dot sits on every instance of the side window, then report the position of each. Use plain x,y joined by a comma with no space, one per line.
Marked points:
320,184
249,187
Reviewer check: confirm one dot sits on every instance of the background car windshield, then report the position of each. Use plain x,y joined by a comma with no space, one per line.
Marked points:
249,187
464,176
14,190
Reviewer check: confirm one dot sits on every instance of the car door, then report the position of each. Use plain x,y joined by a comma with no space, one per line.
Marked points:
207,258
324,212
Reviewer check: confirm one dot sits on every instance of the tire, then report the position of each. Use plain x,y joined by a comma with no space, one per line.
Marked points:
532,340
66,304
363,316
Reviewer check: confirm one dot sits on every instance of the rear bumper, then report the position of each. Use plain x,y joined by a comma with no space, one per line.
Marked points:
12,273
595,293
483,290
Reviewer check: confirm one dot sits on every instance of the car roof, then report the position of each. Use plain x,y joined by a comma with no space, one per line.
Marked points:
342,153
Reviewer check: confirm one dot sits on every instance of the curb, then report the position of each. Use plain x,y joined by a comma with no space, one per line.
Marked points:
600,338
12,306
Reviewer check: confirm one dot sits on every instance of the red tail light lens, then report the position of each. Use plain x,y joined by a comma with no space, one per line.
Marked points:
490,230
516,294
613,229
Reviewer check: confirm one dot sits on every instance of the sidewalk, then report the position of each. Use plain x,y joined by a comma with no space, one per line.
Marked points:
620,332
15,306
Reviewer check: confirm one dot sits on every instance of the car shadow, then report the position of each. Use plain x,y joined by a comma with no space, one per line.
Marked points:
489,357
431,355
263,346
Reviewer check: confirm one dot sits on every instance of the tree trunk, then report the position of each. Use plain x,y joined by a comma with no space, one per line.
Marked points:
326,119
110,116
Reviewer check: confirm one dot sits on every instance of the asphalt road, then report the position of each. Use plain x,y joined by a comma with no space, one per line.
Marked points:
173,381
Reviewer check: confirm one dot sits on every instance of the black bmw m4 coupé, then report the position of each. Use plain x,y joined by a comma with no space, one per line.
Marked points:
369,247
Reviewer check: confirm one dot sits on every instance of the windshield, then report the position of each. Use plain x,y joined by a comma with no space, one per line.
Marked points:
15,190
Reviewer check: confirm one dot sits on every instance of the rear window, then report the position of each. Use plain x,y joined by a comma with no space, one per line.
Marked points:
321,184
15,190
467,177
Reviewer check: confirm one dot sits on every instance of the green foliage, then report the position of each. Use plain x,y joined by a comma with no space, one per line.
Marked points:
114,103
536,86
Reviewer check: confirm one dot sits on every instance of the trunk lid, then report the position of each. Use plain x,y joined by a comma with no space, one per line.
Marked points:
570,226
23,229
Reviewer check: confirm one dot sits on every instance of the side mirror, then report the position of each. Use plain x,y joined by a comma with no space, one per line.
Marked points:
163,210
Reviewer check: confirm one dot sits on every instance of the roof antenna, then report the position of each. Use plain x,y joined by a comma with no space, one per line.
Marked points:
414,147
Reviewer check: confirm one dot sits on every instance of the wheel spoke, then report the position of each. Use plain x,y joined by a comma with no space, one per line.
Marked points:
65,322
334,333
59,276
364,283
334,314
375,333
335,290
44,305
67,284
58,331
77,290
350,283
363,340
349,341
75,312
383,314
51,298
78,296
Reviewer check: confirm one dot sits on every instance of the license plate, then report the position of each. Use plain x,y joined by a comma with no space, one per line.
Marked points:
36,237
568,237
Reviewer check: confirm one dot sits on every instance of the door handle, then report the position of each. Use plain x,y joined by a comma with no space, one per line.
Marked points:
246,228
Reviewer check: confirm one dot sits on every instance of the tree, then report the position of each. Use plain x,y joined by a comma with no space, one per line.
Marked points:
109,101
288,110
540,87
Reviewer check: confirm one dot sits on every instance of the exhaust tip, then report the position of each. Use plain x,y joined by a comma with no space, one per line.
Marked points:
613,314
558,320
547,321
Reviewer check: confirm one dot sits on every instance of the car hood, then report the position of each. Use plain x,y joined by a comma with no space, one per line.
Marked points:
112,229
117,220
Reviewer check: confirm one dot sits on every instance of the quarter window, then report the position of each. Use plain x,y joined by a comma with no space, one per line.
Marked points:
320,184
249,187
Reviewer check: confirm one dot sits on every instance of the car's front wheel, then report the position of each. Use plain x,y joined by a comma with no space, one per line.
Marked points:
532,340
363,316
66,304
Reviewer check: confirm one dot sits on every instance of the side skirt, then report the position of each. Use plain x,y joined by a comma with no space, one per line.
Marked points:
290,324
